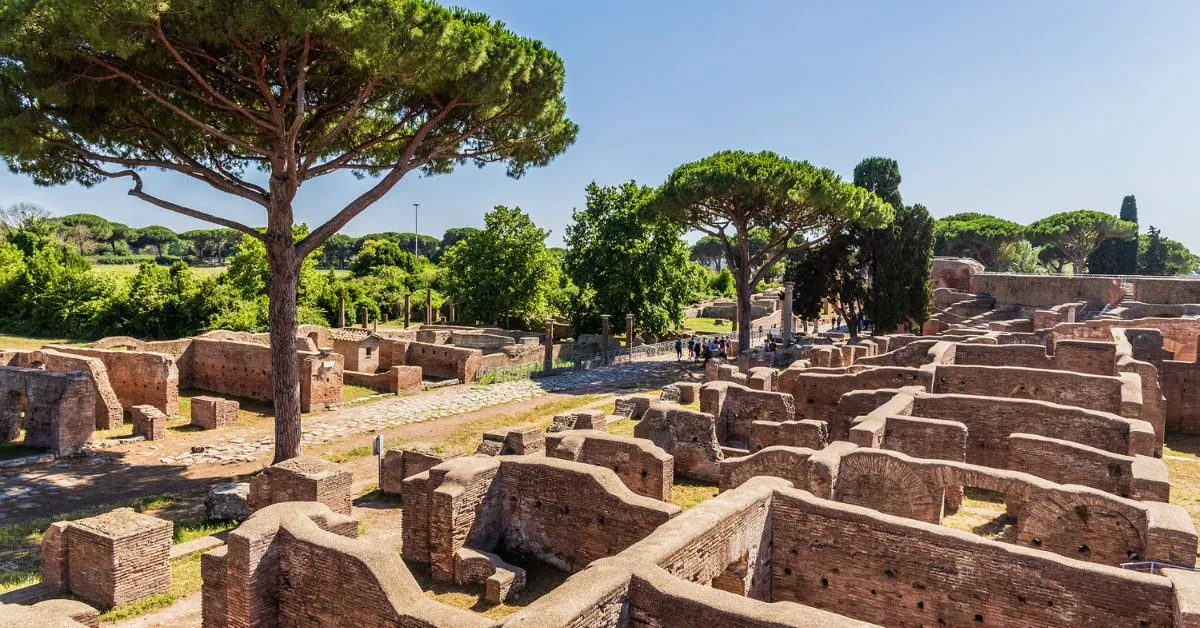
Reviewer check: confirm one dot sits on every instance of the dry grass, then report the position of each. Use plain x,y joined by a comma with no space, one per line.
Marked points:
688,494
1183,467
983,513
31,343
469,435
540,580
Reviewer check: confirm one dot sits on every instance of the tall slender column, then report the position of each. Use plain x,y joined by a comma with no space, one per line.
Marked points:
787,312
407,311
629,332
549,357
604,334
364,317
341,320
428,306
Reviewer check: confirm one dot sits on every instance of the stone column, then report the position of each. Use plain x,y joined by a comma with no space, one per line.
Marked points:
428,306
549,357
364,317
407,310
452,316
733,323
341,319
604,333
629,332
787,312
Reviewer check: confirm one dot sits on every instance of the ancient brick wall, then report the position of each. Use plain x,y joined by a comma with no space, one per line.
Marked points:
59,408
737,407
1066,462
137,377
990,420
1083,356
817,393
569,515
642,466
1180,335
1181,388
564,513
243,369
435,360
955,273
1095,392
789,463
1047,291
806,433
926,438
1166,290
892,571
396,379
109,413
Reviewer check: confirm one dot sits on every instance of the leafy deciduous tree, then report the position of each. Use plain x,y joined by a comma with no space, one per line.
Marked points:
215,89
626,260
502,272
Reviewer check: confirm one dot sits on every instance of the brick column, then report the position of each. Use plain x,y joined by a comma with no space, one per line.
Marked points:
787,312
604,334
549,344
407,310
428,306
364,317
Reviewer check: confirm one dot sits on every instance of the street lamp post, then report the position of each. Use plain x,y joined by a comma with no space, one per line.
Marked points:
416,227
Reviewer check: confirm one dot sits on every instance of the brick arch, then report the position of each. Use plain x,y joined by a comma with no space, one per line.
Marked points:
888,485
789,463
1088,527
119,341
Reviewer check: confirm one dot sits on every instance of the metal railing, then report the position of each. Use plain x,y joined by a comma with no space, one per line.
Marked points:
1152,566
588,361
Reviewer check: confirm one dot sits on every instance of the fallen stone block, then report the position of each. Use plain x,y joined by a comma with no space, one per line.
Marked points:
149,422
228,502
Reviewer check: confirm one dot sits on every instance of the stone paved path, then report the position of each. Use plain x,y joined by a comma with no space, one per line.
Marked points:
388,413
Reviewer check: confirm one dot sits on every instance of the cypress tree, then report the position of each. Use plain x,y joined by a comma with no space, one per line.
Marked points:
1127,248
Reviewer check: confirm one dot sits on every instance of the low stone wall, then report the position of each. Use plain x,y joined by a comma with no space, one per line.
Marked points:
817,392
1064,387
1045,291
243,369
435,360
737,407
397,379
1136,477
1079,356
642,466
787,462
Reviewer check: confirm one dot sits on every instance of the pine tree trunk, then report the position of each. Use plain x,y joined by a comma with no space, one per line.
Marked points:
285,364
743,295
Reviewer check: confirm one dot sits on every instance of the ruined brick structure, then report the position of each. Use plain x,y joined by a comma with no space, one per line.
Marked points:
302,479
109,559
57,410
642,466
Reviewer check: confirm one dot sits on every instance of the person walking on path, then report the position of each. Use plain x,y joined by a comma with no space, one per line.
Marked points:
678,349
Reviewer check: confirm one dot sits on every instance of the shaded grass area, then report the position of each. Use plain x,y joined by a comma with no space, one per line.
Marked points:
16,450
540,580
354,392
20,544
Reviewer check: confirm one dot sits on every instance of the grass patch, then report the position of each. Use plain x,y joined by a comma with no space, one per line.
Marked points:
688,493
30,343
352,392
708,326
20,544
621,428
15,449
198,272
982,513
471,433
1183,467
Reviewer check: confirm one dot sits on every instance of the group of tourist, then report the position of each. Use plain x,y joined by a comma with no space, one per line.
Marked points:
699,348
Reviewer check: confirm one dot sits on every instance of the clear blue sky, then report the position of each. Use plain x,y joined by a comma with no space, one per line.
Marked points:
1020,109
